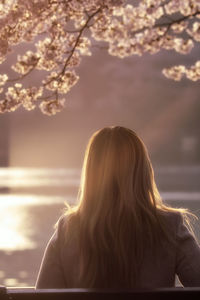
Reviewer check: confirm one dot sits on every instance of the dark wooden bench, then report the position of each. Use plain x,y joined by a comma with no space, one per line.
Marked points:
88,294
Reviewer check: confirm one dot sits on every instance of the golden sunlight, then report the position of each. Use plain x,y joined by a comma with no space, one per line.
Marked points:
13,230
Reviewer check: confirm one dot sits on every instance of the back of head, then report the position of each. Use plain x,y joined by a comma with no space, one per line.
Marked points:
117,173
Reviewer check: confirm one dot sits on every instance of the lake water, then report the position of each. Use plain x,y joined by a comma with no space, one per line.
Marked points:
31,201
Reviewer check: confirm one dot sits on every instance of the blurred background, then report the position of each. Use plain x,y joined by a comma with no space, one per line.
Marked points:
41,156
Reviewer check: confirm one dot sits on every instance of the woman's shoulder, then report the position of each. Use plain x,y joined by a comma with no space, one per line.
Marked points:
172,218
62,221
171,214
66,226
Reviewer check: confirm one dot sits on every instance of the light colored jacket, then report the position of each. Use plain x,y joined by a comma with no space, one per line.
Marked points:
60,264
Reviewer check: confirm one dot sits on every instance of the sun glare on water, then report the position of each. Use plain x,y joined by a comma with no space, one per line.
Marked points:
16,230
12,230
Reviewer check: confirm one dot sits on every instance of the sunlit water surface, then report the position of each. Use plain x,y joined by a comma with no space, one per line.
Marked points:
33,199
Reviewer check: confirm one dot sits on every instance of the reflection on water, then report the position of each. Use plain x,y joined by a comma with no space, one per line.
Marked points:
25,229
17,225
13,230
30,177
9,200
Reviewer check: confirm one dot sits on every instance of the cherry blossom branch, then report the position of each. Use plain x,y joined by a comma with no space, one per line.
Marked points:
79,36
75,46
124,28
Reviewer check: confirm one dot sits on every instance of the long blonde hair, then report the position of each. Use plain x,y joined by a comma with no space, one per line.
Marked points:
118,214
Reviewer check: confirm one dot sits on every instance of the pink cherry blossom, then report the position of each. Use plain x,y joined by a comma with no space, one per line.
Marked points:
63,32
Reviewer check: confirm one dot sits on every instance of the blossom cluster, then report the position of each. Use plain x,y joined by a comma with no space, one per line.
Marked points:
177,72
26,62
61,83
64,31
17,96
51,107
